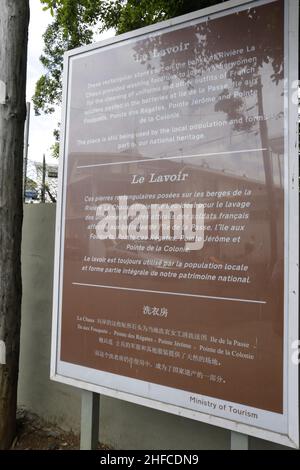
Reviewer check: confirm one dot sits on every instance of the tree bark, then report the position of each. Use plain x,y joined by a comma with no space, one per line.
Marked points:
14,19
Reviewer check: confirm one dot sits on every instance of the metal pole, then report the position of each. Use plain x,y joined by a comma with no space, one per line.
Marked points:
89,431
239,441
43,192
26,140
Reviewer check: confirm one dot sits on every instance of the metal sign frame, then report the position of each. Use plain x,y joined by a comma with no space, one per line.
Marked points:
291,229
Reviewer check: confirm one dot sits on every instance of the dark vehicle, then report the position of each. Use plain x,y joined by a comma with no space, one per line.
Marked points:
31,195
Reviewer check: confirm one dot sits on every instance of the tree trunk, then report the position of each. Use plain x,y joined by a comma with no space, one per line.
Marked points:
268,168
14,19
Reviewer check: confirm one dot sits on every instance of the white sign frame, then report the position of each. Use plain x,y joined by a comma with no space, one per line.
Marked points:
81,377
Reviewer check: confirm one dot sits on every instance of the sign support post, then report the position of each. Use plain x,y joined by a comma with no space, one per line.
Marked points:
89,428
239,441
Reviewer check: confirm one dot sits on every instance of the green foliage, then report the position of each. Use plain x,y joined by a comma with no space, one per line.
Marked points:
75,22
66,32
138,13
55,146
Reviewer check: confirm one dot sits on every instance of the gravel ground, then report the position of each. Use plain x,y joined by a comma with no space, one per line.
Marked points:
33,433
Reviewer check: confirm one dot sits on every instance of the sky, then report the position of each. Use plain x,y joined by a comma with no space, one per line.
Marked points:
41,127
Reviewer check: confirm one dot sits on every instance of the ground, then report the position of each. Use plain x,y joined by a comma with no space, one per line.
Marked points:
35,433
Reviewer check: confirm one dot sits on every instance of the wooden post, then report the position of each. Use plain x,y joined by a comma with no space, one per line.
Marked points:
14,18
